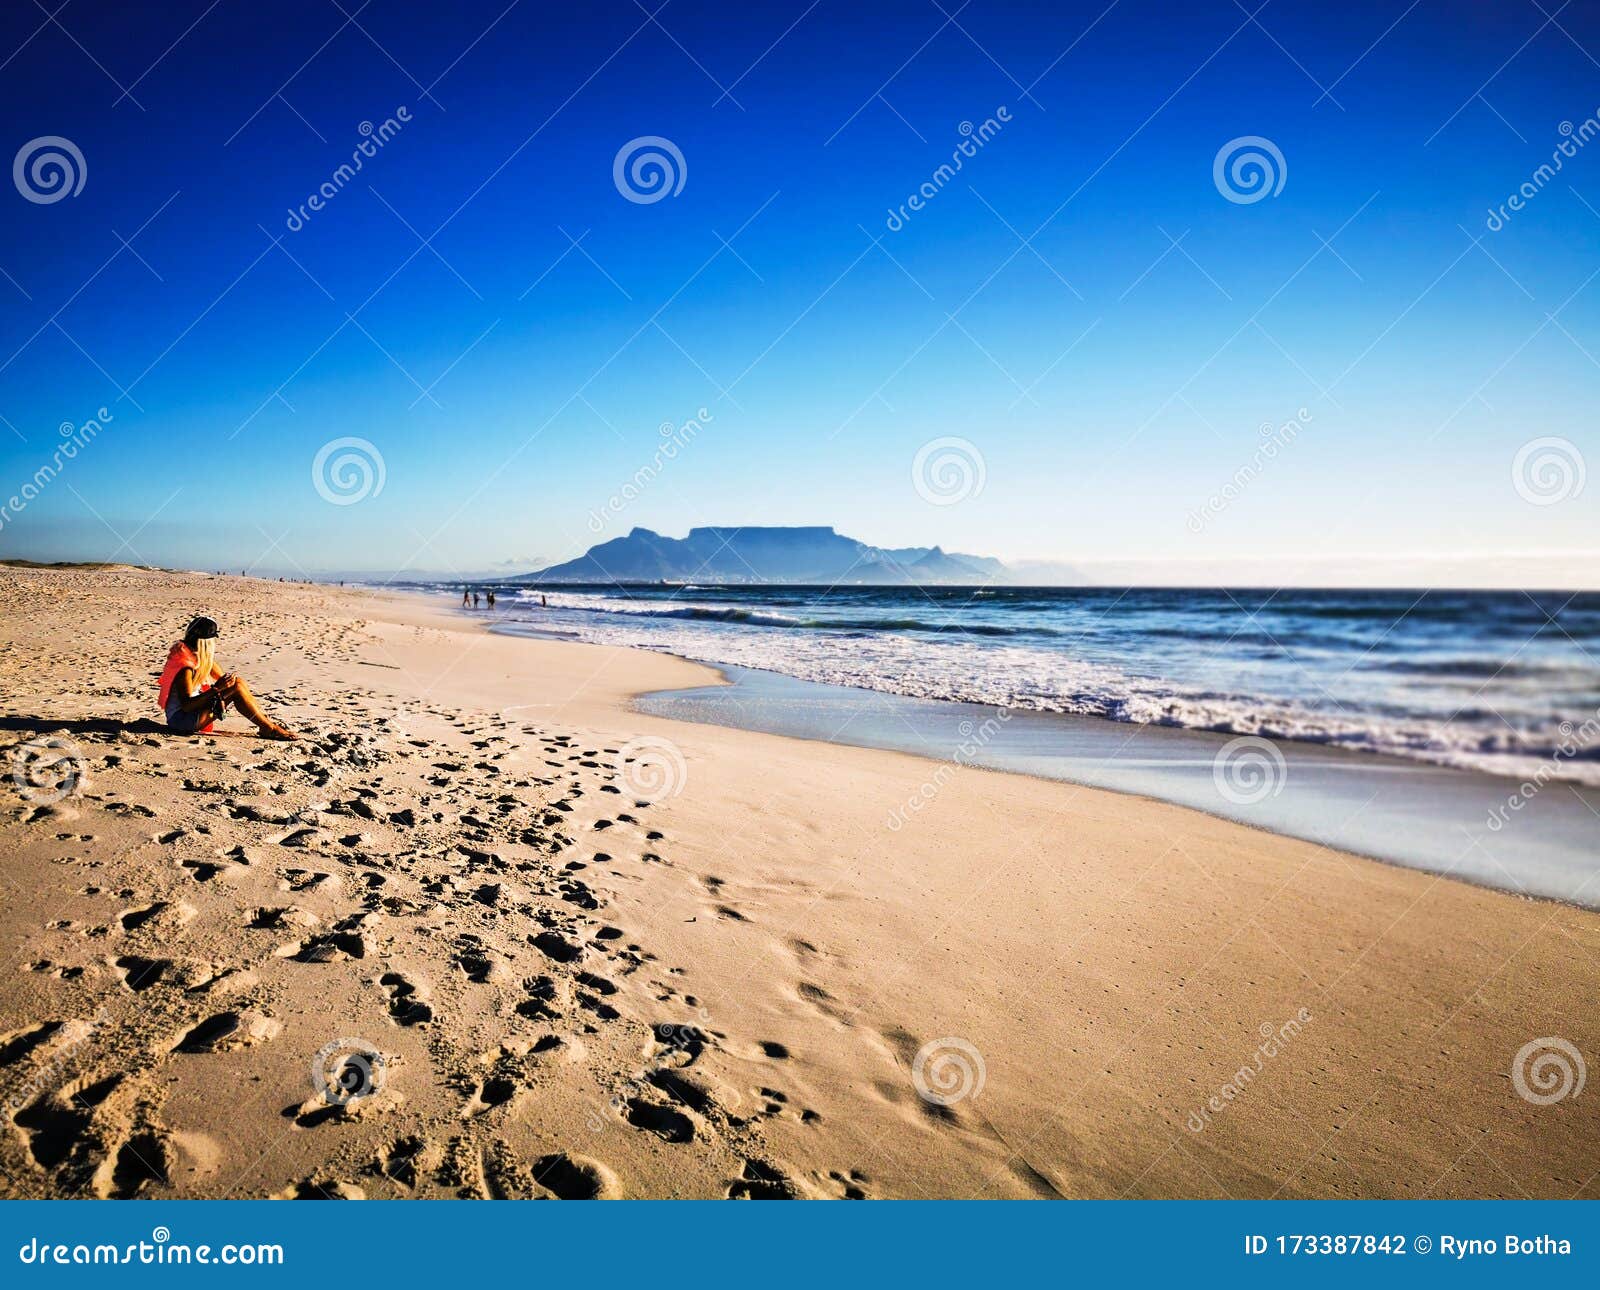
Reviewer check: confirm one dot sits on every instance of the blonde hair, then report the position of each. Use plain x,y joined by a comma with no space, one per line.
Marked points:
204,653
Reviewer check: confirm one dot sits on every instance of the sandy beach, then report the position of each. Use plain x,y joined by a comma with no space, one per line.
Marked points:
560,948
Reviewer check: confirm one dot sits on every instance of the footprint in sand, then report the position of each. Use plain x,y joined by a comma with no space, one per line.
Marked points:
55,1122
762,1181
229,1030
19,1043
408,1004
139,974
573,1177
663,1121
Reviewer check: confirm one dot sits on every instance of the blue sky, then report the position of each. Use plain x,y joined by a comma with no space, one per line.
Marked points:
1080,304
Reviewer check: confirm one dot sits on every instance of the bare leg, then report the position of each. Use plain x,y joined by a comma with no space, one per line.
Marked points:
238,694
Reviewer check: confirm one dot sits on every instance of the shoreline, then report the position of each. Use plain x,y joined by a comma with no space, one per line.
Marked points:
727,984
1554,834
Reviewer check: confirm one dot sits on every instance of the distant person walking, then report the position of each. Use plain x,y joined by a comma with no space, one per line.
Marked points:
474,599
466,597
490,594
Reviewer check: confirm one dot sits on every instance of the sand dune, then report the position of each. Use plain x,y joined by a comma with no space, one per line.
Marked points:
488,932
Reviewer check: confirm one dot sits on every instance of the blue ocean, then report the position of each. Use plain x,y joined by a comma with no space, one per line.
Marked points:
1503,682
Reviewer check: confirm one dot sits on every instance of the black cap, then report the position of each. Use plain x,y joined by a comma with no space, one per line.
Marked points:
200,629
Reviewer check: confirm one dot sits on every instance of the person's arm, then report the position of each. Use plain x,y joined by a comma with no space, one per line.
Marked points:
194,698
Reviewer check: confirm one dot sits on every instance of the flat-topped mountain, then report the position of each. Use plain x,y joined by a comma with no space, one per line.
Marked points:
810,554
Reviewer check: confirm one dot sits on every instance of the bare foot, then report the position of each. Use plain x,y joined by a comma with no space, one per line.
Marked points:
274,731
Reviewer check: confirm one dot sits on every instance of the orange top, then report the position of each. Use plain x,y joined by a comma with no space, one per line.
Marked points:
179,657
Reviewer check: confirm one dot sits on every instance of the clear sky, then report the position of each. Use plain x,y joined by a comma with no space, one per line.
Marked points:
1080,303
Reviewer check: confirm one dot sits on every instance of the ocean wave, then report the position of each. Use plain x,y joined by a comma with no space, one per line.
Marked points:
1482,702
767,618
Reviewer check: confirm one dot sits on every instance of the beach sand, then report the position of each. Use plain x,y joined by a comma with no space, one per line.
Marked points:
708,971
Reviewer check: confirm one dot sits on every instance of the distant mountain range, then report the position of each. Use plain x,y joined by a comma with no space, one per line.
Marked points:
801,555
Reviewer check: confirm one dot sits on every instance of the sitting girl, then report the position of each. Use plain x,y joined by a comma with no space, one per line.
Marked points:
195,692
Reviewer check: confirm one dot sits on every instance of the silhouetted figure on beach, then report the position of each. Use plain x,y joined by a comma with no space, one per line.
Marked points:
474,599
543,603
490,595
466,597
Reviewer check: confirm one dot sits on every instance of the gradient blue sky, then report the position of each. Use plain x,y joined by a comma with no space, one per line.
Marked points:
1110,382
